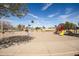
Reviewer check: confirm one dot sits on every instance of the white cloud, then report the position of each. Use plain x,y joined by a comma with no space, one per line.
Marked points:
64,16
46,6
68,15
3,19
34,16
52,15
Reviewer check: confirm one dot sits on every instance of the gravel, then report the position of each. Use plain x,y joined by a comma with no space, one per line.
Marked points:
9,41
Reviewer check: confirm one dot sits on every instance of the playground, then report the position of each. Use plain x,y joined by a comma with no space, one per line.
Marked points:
39,29
42,44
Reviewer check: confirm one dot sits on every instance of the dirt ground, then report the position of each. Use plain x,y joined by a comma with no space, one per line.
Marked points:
43,44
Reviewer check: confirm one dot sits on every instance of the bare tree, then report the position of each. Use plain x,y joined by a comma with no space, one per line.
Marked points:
20,27
6,26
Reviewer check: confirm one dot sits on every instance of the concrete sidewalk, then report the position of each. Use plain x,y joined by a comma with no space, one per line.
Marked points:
45,44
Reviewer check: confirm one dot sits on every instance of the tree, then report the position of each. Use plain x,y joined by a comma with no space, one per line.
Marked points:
14,9
6,25
20,27
70,25
67,25
43,27
29,25
38,28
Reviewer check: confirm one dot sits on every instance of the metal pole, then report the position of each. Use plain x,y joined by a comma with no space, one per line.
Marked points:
2,29
2,26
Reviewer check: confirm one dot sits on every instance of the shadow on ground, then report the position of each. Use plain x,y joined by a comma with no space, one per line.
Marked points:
9,41
76,55
75,35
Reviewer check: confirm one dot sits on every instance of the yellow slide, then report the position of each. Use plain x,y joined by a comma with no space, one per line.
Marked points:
62,33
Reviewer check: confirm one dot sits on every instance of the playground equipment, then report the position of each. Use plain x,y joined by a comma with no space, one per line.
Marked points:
62,32
60,29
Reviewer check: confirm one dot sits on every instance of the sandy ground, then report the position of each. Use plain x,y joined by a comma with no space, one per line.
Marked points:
43,44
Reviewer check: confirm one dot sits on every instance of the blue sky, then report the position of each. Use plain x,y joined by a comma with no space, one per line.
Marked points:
48,15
